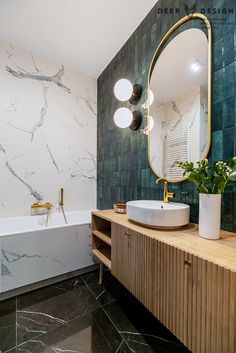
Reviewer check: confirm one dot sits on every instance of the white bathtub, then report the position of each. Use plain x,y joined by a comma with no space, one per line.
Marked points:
30,252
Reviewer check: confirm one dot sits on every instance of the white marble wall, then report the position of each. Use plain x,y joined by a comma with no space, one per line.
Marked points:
47,134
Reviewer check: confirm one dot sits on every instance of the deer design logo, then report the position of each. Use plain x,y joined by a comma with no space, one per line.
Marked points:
190,10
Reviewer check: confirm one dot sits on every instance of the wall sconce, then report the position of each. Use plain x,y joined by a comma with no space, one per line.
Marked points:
124,118
124,90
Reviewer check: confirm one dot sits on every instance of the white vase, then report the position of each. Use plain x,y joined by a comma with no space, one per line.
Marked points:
209,215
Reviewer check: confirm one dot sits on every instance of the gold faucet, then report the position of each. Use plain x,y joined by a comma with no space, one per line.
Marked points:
46,205
167,195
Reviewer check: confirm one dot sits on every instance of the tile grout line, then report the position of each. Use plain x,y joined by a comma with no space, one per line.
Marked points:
109,302
113,324
119,332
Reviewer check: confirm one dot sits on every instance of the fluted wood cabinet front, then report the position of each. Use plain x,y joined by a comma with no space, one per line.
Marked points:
193,297
131,263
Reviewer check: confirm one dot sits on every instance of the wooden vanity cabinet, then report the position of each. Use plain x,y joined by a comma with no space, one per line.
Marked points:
194,298
193,295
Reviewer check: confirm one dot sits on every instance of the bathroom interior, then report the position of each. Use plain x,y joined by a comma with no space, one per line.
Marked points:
118,176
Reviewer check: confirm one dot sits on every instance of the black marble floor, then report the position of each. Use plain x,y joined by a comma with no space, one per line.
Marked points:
80,316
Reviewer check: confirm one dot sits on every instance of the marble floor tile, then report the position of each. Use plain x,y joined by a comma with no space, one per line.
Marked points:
91,333
7,324
106,292
140,329
44,309
80,316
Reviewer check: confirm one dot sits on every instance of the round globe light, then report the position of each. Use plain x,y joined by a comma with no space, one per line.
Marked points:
123,117
123,89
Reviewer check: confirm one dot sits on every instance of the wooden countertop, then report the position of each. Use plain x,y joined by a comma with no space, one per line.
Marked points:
221,252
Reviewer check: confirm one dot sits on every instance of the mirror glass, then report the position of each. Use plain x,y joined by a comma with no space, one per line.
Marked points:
180,108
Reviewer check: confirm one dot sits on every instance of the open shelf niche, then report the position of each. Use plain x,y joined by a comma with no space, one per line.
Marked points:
101,242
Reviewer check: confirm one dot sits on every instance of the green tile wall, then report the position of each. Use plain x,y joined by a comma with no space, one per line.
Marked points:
123,171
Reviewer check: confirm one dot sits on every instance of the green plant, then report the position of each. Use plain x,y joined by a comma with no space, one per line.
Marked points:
210,179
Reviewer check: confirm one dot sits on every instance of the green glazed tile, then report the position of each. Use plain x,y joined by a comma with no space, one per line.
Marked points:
122,168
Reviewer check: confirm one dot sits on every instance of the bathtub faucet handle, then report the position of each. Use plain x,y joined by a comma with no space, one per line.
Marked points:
48,205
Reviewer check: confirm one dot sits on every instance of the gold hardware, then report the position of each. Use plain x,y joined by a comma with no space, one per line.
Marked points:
167,195
209,103
127,234
187,263
46,205
61,203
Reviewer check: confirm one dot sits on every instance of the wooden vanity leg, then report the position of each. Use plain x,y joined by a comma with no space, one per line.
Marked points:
101,272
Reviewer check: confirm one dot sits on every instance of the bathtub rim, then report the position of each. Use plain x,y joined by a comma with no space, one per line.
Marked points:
32,230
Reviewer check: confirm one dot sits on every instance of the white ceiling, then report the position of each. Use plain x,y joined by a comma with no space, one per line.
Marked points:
84,35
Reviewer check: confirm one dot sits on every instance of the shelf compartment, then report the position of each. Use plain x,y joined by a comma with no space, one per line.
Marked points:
104,255
101,242
102,225
104,235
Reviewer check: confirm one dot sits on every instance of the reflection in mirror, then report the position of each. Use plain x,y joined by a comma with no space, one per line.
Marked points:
179,83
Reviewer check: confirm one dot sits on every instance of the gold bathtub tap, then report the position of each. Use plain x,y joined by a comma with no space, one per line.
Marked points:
47,205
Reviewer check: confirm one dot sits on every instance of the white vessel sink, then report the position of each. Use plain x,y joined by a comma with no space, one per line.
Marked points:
158,214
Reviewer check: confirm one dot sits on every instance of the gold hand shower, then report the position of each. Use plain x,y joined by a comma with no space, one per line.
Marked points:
61,204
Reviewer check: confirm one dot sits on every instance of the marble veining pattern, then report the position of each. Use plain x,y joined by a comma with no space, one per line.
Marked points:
48,117
55,78
25,259
70,317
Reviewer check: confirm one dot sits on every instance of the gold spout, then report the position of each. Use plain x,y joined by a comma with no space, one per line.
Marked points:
61,203
167,195
47,205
